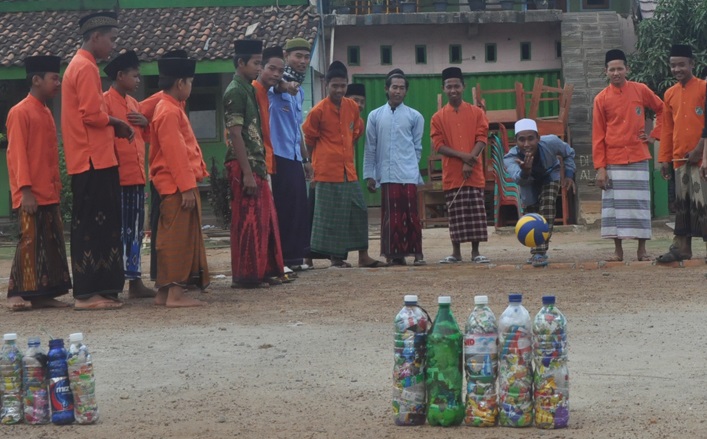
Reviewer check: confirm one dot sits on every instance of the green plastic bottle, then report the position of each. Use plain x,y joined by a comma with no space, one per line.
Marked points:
444,376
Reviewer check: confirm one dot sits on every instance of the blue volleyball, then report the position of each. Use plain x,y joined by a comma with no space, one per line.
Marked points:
532,230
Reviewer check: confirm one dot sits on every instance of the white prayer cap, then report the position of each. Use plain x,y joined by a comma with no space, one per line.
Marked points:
526,125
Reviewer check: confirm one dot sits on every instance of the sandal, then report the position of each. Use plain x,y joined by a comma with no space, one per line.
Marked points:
419,262
375,264
539,260
450,260
340,264
481,260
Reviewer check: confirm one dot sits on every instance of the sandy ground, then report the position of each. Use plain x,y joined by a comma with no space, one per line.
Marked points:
313,359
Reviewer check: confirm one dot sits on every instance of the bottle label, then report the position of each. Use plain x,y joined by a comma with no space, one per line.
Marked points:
60,394
480,344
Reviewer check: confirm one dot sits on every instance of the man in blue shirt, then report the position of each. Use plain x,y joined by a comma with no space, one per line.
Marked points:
534,166
391,161
291,159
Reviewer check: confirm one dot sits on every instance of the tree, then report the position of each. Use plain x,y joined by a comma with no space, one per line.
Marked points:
674,22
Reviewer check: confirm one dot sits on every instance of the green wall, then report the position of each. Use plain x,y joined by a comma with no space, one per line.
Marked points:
422,96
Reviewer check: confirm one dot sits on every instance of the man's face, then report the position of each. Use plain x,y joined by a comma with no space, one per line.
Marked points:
272,71
104,43
616,71
298,60
252,68
527,141
396,91
184,88
360,101
681,67
453,88
48,84
337,88
129,79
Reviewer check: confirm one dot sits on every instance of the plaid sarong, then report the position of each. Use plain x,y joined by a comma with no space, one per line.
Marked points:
546,207
690,204
626,204
340,219
466,215
401,231
132,200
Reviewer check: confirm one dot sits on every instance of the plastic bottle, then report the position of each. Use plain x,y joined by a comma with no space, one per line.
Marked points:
515,370
409,400
550,366
83,384
481,360
34,384
444,377
59,390
11,372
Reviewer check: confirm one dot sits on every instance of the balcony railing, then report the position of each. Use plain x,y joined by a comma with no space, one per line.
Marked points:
363,7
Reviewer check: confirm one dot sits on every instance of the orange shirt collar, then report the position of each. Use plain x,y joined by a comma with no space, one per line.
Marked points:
86,54
169,98
36,101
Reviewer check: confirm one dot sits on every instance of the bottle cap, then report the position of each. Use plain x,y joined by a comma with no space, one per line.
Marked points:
10,336
410,298
33,341
548,300
77,336
442,300
481,300
515,298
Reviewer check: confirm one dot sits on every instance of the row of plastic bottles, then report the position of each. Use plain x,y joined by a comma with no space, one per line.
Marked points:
503,362
39,388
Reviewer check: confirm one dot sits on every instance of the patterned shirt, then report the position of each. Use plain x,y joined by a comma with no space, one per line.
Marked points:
241,109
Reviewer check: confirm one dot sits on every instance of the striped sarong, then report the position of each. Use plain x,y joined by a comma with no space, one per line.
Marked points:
466,215
626,203
181,256
340,219
401,231
547,208
690,204
132,200
40,269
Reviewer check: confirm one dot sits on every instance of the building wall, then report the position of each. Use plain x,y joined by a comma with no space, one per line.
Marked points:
437,39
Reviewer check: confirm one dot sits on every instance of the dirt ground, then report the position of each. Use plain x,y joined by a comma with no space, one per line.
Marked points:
313,359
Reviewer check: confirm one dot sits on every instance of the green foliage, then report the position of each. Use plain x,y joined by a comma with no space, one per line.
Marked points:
220,195
66,197
674,22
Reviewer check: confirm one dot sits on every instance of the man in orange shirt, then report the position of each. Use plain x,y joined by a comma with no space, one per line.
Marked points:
340,216
681,147
176,166
621,155
39,271
88,131
459,132
124,70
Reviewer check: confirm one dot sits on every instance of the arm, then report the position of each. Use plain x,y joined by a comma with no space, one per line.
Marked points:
665,153
370,152
417,131
17,137
564,150
235,105
311,130
439,142
654,103
599,142
358,130
512,163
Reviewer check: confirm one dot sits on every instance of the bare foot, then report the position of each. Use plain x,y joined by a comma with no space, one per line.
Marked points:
49,303
644,257
177,299
615,258
138,290
161,297
18,304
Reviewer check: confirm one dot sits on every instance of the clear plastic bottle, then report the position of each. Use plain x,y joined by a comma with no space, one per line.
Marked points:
59,390
550,367
11,371
82,381
481,360
34,384
444,376
515,370
411,327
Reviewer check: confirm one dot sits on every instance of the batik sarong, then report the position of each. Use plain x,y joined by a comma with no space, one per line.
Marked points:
401,231
132,202
547,208
39,269
626,203
690,205
466,214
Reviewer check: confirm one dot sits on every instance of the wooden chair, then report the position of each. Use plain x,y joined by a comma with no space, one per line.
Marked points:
505,116
506,197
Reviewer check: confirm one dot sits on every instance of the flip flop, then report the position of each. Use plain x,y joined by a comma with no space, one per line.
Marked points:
450,260
340,264
103,305
375,264
481,260
419,263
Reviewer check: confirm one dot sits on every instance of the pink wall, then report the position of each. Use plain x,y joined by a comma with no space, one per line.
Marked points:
473,38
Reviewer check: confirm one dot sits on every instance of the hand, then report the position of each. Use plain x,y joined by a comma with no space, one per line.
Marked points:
371,185
601,179
124,131
470,159
694,156
292,87
665,171
28,203
250,188
645,138
308,171
569,185
466,171
189,199
137,119
526,165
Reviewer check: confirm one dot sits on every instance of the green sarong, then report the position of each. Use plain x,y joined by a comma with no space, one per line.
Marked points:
340,219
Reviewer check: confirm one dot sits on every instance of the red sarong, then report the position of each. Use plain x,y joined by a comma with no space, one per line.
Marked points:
401,231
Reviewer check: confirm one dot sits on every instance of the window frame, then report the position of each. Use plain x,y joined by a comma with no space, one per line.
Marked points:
461,55
424,48
357,49
495,52
390,49
530,51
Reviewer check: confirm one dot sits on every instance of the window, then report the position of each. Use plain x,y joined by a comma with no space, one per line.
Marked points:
201,107
595,4
386,55
558,49
354,55
421,54
490,52
525,51
455,54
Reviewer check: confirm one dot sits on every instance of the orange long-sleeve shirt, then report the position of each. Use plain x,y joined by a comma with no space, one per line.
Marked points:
32,152
147,109
131,155
176,162
619,119
84,118
261,95
683,120
330,131
460,130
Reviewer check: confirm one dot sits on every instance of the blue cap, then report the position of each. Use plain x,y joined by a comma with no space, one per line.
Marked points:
548,300
515,297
